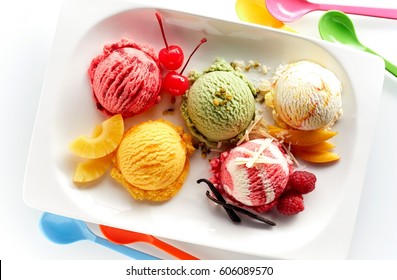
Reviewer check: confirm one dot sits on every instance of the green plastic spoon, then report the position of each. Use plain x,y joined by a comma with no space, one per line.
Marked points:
336,26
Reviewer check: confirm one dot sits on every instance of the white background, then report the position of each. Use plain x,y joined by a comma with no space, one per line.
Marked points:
27,29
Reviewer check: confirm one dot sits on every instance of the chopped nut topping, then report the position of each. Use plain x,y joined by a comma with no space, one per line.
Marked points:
264,69
237,65
221,97
205,151
168,111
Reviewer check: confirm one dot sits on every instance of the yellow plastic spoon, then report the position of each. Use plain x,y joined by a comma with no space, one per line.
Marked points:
255,11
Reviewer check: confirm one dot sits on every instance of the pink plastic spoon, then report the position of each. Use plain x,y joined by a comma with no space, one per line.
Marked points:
254,11
291,10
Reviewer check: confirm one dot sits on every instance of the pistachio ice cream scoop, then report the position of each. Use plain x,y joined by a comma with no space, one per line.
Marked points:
220,104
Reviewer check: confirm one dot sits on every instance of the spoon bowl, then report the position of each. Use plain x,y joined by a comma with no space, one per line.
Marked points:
121,236
335,26
64,230
291,10
255,11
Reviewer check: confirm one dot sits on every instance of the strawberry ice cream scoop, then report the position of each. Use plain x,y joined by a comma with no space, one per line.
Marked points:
254,174
125,79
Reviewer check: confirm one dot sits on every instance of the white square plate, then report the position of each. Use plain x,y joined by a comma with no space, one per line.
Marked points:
66,110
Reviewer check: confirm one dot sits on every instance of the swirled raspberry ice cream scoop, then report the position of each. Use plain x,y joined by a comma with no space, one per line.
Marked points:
125,79
254,174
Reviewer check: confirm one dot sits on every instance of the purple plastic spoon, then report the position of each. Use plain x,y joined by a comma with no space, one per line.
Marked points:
291,10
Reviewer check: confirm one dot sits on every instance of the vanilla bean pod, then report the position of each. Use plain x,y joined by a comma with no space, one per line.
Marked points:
241,210
233,216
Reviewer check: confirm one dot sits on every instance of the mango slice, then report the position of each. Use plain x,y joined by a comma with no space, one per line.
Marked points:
300,137
316,157
320,147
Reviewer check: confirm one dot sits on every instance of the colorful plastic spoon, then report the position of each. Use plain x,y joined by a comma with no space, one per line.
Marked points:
121,236
291,10
254,11
64,230
335,26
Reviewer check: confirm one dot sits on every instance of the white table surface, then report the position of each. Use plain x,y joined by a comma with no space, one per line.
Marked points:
27,28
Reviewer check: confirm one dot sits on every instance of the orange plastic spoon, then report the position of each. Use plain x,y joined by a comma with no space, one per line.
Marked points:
121,236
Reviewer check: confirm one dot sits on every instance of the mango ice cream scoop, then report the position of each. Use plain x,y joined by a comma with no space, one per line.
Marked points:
152,160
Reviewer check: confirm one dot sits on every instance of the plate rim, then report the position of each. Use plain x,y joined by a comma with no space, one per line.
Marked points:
374,61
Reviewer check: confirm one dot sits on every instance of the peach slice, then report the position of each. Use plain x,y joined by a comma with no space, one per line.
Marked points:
300,137
92,169
104,139
316,157
320,147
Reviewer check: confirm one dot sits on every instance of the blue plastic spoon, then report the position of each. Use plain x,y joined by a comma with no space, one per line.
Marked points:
64,230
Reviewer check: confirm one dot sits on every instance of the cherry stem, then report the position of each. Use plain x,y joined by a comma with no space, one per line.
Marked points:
158,16
190,56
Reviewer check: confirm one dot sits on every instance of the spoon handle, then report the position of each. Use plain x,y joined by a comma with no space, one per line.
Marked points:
132,253
388,65
172,250
364,11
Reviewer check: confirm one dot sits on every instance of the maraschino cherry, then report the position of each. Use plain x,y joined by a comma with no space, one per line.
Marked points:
175,83
171,57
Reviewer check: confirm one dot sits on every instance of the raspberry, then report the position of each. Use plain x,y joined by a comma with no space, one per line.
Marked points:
302,182
290,204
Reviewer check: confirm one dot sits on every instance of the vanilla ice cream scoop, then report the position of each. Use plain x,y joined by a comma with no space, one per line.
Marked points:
305,96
